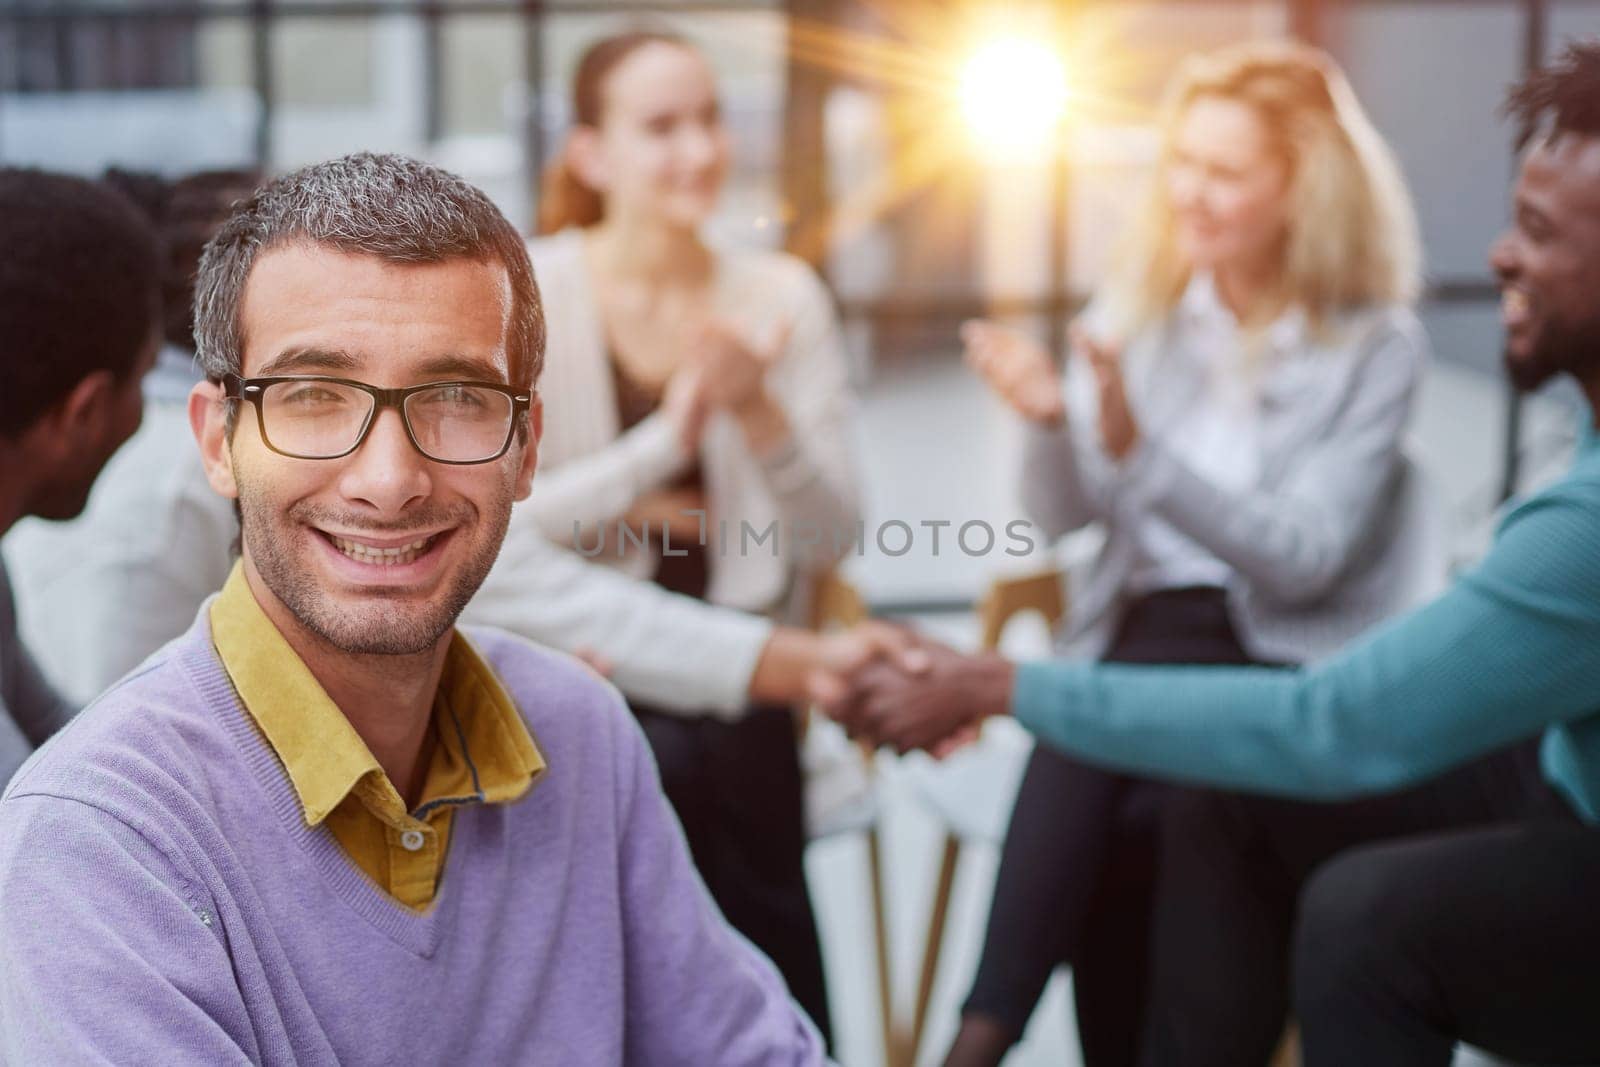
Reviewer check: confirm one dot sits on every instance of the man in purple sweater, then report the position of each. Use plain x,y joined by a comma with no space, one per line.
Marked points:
325,826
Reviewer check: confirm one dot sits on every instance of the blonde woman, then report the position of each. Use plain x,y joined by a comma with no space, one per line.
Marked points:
1232,418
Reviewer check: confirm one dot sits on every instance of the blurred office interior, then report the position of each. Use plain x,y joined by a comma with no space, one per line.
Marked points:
855,148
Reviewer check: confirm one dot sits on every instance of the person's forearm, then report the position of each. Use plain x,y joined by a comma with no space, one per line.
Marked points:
808,469
1293,543
668,650
1290,547
1054,492
575,499
787,658
1511,649
1446,684
695,989
763,423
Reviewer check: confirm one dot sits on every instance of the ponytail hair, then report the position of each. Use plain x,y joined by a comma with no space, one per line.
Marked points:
564,198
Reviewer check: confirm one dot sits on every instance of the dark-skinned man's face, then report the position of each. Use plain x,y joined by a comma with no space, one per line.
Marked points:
1548,263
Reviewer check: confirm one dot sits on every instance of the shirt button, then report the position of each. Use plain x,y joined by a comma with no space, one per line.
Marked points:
412,840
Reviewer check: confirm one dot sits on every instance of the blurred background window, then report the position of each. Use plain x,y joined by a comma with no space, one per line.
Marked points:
868,133
933,159
845,116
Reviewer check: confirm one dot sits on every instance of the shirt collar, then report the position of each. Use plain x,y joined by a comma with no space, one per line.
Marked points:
485,751
1200,304
1200,301
484,729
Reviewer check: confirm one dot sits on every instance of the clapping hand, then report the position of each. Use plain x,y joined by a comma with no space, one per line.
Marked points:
686,403
734,372
1017,368
1119,430
724,371
734,369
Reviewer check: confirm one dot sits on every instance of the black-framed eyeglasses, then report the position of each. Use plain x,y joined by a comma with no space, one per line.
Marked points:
312,417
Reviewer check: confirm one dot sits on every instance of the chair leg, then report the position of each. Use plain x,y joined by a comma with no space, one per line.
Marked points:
935,942
1288,1053
880,929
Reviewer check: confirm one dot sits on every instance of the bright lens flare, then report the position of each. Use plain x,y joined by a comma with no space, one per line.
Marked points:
1013,96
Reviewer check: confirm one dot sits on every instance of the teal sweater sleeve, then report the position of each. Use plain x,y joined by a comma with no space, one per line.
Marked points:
1511,649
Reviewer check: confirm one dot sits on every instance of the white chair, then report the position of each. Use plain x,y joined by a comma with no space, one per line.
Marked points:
972,792
836,603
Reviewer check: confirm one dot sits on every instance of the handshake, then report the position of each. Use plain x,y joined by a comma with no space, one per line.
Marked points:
883,683
890,686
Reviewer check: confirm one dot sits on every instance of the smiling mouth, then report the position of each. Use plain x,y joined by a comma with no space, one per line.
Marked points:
1515,306
383,557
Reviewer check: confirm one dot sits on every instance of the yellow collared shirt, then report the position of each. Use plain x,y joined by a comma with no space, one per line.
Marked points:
483,752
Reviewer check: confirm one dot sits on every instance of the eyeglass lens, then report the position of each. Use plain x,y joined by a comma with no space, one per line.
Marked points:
449,423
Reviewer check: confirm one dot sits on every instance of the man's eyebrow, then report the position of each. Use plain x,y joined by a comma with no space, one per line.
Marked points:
454,366
303,359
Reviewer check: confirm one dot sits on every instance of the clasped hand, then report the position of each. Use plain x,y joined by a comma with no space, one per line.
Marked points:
913,693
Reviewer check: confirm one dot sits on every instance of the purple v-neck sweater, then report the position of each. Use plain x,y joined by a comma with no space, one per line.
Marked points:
162,901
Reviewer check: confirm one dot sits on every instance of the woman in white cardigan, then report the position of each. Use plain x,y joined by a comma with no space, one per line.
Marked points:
697,435
1233,421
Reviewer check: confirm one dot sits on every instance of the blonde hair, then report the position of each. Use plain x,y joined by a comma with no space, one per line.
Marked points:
1352,233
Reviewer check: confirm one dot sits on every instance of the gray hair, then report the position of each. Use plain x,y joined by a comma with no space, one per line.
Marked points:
388,206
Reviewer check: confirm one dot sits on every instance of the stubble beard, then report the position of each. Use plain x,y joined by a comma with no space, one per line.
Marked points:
1560,348
381,626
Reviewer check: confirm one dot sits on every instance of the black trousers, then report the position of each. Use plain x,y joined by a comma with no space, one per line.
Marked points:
1077,868
1466,908
736,788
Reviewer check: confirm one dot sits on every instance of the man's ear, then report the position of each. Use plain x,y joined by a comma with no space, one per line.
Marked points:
585,158
208,418
77,417
530,449
82,412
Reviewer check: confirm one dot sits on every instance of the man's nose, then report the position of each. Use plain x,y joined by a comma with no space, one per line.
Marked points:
1503,257
386,472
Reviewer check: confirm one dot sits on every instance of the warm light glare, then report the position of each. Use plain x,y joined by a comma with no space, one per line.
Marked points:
1013,95
968,84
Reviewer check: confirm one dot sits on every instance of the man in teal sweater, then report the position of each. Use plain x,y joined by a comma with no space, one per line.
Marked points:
1452,894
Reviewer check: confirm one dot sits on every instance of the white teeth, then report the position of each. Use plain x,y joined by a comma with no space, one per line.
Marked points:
386,557
1514,303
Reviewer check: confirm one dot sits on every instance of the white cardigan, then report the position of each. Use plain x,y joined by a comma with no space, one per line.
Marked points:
590,473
